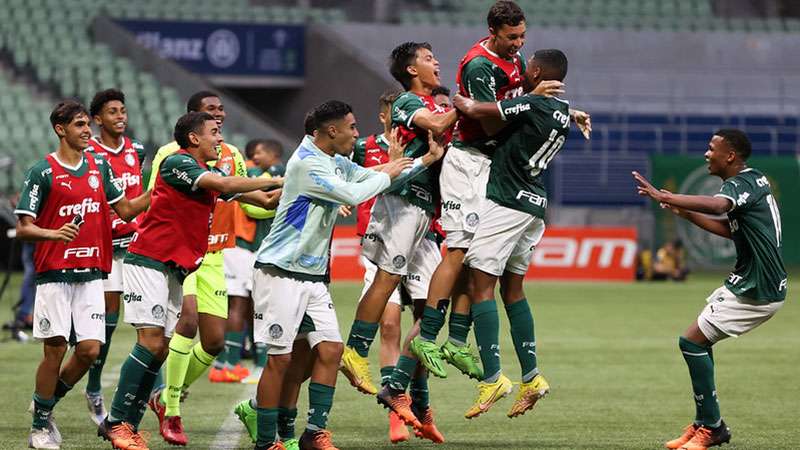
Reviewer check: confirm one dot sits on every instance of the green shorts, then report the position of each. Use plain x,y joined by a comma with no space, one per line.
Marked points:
207,283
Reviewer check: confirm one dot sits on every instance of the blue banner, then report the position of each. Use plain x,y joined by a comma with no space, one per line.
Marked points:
214,48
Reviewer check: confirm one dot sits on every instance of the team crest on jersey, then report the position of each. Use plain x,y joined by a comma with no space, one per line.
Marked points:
44,325
130,160
275,331
472,220
399,261
94,182
226,168
158,311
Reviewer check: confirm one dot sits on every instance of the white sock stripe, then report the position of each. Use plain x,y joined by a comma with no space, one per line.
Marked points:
137,360
694,354
233,344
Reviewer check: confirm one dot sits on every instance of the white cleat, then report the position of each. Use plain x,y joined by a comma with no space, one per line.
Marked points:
97,410
42,438
51,425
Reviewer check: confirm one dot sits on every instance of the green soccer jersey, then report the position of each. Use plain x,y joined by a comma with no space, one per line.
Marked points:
538,127
755,224
422,190
38,182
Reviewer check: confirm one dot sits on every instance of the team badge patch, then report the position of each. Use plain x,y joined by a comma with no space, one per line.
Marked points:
44,325
399,261
130,160
94,182
472,220
158,311
226,168
275,331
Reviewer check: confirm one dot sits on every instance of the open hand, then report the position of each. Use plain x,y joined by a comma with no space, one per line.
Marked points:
396,149
645,189
393,168
583,120
549,88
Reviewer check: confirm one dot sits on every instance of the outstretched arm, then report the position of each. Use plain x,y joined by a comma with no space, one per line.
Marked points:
235,185
720,227
697,203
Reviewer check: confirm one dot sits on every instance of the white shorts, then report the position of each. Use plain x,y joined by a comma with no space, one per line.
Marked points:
61,307
727,315
425,261
396,228
114,281
369,274
152,298
285,307
504,240
239,271
462,183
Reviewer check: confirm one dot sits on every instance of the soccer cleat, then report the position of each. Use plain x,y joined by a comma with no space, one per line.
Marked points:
356,368
223,375
488,394
42,438
292,444
158,407
428,430
248,416
529,393
687,435
122,436
705,437
51,423
274,446
319,440
240,371
254,377
400,404
97,411
429,355
397,428
171,430
463,359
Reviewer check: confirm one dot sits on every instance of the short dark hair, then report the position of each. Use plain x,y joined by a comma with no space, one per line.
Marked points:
388,98
736,139
270,145
65,112
552,61
196,100
403,56
101,98
504,12
329,111
191,122
440,90
308,123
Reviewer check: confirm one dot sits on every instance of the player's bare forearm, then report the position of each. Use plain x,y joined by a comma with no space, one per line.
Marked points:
237,185
128,209
697,203
266,200
720,227
437,123
29,231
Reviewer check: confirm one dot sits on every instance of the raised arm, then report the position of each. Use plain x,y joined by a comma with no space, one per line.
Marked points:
696,203
235,185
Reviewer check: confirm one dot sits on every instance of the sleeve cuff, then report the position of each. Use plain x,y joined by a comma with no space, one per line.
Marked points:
24,212
118,198
733,202
197,181
409,122
502,114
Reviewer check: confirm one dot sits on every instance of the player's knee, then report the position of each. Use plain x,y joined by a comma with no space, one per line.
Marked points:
214,347
87,351
279,363
390,330
330,353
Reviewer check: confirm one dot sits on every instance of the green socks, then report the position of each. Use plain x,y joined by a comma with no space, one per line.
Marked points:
198,364
361,336
260,359
522,334
386,373
130,377
233,347
267,426
459,328
143,394
180,348
432,320
42,408
701,370
286,419
487,334
402,373
96,370
61,390
420,399
320,401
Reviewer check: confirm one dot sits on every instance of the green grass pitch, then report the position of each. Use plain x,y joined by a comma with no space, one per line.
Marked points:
609,351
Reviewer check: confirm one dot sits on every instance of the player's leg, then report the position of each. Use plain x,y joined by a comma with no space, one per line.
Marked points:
388,355
238,308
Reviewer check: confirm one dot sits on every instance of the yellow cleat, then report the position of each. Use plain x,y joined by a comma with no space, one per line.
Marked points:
356,368
529,393
488,394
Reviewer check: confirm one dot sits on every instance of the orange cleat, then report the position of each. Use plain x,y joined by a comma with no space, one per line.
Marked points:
223,375
122,436
705,437
397,428
428,430
320,440
400,404
171,430
687,435
240,371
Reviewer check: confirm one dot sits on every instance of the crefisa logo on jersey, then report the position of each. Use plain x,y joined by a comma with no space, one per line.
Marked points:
222,48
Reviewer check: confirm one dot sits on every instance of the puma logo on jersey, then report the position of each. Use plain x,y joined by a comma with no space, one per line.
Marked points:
87,206
376,159
66,184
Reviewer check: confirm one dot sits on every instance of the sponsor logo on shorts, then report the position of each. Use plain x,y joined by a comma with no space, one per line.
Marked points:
44,325
275,331
98,316
158,311
221,293
472,219
129,297
258,316
399,261
412,277
373,237
451,206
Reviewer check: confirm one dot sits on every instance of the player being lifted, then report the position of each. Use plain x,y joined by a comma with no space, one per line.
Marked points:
126,157
64,208
753,292
293,260
401,217
166,247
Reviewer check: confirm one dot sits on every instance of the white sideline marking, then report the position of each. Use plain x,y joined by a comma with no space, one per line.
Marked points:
231,431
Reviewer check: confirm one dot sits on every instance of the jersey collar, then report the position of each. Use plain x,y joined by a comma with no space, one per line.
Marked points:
75,168
107,148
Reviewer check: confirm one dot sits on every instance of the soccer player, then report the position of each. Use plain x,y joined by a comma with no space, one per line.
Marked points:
753,292
64,208
252,225
441,96
166,247
126,157
289,286
400,218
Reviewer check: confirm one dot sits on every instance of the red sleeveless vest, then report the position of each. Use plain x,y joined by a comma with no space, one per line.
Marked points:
470,129
374,155
175,228
69,196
